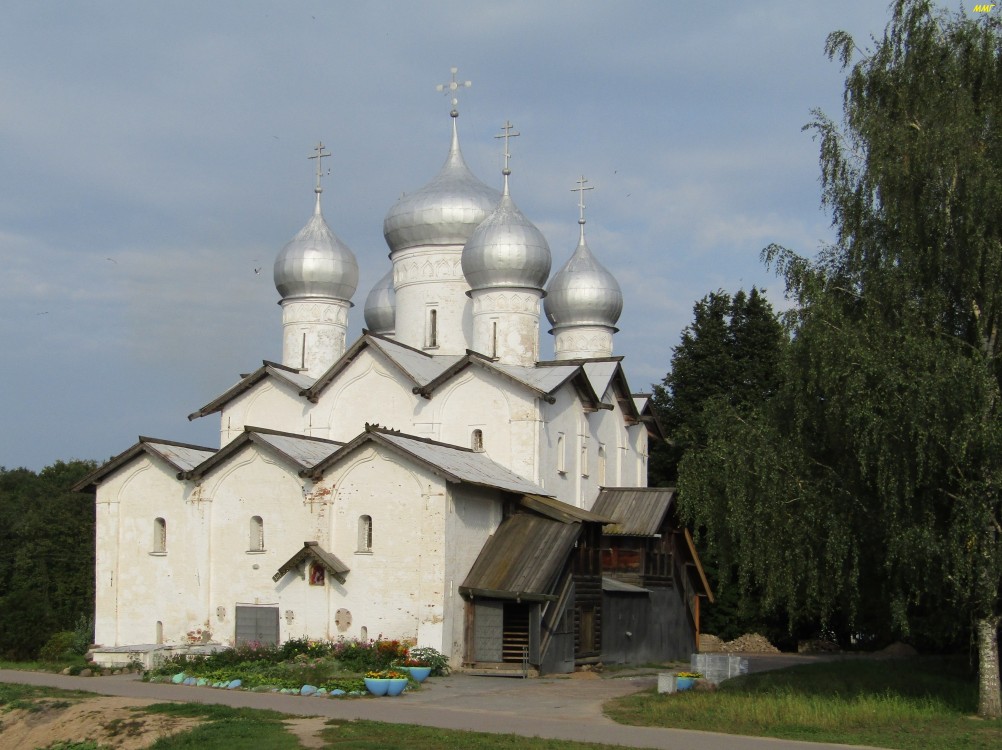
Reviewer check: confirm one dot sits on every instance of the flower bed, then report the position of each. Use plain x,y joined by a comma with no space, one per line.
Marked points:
299,666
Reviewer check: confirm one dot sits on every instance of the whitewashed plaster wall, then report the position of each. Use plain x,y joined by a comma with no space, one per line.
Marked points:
136,585
396,587
268,403
249,484
369,390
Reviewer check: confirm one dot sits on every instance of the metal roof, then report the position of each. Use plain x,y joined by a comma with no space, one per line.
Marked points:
522,559
420,367
246,382
301,451
307,452
179,456
313,551
637,511
545,379
457,463
600,375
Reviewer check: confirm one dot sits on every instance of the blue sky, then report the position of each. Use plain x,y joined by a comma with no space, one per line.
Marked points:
153,155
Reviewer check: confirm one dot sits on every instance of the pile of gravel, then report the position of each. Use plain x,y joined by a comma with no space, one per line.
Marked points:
749,643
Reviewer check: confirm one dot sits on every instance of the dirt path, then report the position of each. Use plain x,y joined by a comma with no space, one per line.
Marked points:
104,720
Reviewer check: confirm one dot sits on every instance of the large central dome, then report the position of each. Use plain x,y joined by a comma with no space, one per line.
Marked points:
443,212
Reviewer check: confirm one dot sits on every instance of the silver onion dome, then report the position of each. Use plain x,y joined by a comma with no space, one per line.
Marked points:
506,250
583,292
316,263
443,212
380,306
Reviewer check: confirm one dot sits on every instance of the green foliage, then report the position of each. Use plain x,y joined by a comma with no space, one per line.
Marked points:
59,646
912,704
46,556
429,657
869,487
730,353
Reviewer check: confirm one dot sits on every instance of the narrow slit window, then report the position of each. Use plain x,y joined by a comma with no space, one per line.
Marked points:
601,464
432,337
561,458
494,338
477,441
159,535
256,540
365,533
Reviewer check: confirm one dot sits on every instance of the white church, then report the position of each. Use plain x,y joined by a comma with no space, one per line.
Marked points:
442,480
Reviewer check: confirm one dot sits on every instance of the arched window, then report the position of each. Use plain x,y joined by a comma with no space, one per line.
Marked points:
160,632
255,541
159,535
365,533
494,338
601,464
561,458
584,459
477,440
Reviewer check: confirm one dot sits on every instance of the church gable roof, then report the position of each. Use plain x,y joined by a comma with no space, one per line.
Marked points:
314,552
300,452
644,405
454,463
288,375
416,366
179,456
522,559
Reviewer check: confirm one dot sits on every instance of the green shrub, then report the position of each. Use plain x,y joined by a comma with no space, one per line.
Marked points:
429,657
59,646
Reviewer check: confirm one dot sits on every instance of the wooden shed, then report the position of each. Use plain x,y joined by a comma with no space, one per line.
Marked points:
534,594
653,581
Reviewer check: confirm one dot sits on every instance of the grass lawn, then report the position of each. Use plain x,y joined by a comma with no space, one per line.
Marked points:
911,704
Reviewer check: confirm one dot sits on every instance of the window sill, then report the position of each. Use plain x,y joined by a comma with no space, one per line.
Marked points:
256,551
363,552
158,554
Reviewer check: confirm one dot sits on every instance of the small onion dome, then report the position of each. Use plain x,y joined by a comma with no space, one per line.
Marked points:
583,292
380,306
506,250
316,263
443,212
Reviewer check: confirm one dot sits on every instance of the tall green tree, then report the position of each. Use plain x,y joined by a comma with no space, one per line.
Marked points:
46,555
879,462
730,351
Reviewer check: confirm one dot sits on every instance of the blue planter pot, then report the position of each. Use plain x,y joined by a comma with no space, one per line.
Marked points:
377,686
684,683
420,674
396,687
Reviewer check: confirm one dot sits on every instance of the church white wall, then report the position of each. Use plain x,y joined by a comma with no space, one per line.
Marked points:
136,585
397,587
369,390
254,484
268,403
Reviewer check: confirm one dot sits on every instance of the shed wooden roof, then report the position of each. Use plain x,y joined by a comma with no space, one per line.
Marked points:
522,559
636,511
313,551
